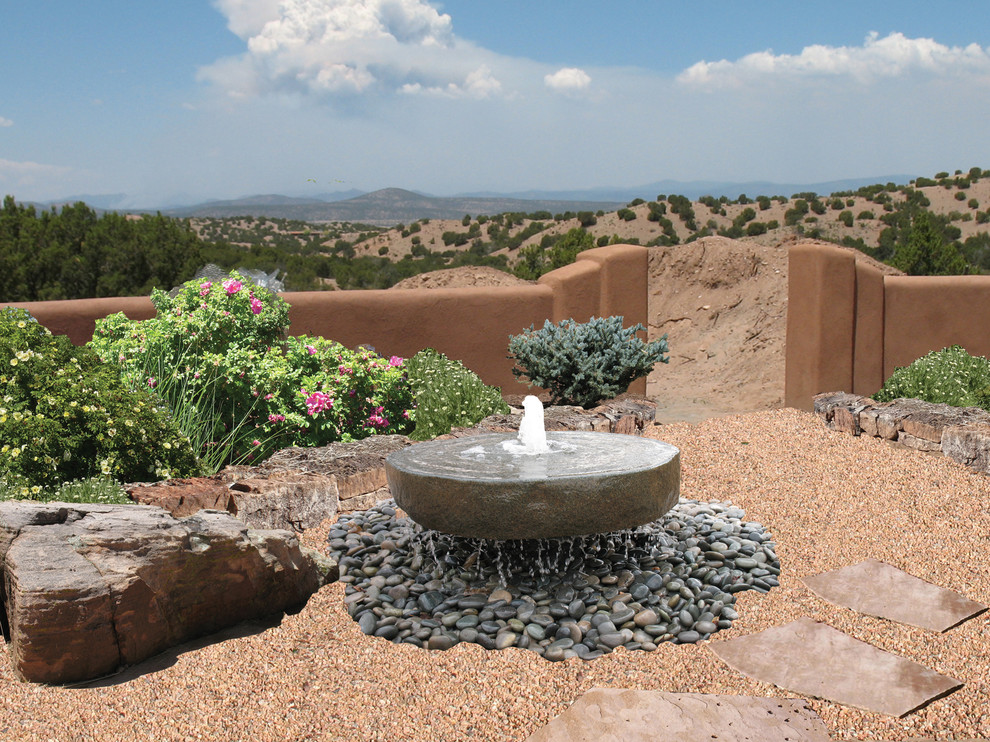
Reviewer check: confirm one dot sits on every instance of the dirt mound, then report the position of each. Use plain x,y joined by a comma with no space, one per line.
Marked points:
452,278
723,305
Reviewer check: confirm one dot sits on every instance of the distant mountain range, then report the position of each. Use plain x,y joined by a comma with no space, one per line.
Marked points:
391,206
386,207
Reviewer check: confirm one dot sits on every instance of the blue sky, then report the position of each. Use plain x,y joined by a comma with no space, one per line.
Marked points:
187,100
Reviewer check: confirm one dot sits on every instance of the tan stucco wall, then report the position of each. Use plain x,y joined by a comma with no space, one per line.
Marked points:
471,325
849,326
821,299
925,313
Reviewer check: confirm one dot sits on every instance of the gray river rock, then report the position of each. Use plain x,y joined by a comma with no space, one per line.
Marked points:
675,580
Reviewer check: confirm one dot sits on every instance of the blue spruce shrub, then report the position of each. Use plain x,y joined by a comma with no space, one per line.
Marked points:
583,364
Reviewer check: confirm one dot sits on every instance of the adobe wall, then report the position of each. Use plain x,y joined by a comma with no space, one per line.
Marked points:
849,326
925,313
471,325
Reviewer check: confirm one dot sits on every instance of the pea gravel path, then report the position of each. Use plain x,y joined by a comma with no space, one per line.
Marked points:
830,500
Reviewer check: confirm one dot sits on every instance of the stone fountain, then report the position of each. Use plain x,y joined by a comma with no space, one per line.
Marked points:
501,486
570,544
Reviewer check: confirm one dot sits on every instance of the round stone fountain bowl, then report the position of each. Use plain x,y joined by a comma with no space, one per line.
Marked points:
482,486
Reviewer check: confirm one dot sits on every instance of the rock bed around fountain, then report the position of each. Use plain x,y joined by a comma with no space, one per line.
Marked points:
675,579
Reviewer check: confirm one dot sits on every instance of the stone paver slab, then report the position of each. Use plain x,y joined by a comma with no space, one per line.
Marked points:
878,589
814,659
616,715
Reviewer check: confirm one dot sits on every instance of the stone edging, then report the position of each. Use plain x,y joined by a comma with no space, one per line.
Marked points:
961,433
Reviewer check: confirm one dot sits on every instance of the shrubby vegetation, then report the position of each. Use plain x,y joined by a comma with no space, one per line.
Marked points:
217,354
553,252
583,364
65,414
448,395
950,376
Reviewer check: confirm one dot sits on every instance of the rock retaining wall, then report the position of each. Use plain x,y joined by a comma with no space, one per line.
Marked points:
961,433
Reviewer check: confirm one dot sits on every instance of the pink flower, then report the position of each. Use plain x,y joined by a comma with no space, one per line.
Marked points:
204,288
256,304
311,349
152,382
276,418
269,396
256,443
395,361
232,286
317,402
377,421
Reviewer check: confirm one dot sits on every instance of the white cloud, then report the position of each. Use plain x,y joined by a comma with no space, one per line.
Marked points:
328,47
28,180
5,122
894,55
247,17
477,84
568,80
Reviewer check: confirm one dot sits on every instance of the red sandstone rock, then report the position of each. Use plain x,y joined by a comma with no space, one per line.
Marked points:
182,497
88,588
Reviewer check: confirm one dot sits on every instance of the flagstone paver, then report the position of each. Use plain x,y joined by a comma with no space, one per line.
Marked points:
878,589
816,660
616,715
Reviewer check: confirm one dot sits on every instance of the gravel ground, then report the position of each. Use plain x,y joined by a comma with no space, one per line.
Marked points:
829,500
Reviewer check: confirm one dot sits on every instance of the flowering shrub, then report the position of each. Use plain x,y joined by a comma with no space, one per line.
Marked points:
216,354
101,489
64,415
950,375
448,395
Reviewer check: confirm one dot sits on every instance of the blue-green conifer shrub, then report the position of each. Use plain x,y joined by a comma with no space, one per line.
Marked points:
583,364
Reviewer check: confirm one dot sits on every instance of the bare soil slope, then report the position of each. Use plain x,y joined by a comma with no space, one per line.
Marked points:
453,278
723,305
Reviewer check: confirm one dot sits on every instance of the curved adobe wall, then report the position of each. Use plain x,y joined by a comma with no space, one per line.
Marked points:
849,326
77,317
471,325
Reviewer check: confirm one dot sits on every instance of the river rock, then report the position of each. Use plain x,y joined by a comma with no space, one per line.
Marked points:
88,588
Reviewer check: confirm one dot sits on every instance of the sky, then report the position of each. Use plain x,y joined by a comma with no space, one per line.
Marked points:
180,102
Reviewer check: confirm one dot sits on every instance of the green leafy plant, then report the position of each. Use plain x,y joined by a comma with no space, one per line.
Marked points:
100,489
951,376
582,364
448,395
65,414
218,355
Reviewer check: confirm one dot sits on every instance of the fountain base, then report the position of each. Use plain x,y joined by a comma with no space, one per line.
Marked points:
588,483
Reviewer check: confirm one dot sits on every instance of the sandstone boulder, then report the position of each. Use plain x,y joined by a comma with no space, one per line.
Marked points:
297,488
89,588
968,444
842,411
